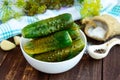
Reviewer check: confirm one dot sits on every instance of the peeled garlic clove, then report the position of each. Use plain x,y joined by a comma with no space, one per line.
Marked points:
17,40
101,27
7,45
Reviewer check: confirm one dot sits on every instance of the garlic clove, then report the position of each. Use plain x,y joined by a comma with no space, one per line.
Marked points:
7,45
17,40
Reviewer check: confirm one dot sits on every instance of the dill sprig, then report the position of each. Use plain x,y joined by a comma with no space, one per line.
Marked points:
10,9
90,8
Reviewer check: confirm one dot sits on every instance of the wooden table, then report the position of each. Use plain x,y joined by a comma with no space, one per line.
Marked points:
13,66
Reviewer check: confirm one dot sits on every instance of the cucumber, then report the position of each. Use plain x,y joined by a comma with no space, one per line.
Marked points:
47,26
55,41
74,31
62,54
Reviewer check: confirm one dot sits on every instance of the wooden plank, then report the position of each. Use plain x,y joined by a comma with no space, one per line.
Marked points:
2,56
9,68
87,69
15,67
111,65
31,74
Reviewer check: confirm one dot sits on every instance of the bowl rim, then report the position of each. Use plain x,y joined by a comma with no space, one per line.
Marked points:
24,53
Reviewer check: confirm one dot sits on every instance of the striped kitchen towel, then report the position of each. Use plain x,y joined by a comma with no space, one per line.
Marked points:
111,7
13,27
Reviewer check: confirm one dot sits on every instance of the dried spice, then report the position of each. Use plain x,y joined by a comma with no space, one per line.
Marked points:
100,51
40,6
32,8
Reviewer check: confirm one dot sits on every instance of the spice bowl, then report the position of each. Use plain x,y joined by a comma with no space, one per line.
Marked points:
53,67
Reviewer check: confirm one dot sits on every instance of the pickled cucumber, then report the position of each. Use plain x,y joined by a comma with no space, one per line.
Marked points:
62,54
55,41
47,26
74,31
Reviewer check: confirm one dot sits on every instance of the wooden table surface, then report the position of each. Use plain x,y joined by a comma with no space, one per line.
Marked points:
13,66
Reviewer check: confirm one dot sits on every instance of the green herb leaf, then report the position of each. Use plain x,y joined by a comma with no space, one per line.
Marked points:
20,3
8,9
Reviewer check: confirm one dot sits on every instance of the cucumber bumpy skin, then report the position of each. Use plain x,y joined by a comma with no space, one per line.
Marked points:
47,26
55,41
74,31
62,54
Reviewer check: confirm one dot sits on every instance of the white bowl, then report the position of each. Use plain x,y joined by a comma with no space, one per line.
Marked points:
53,67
